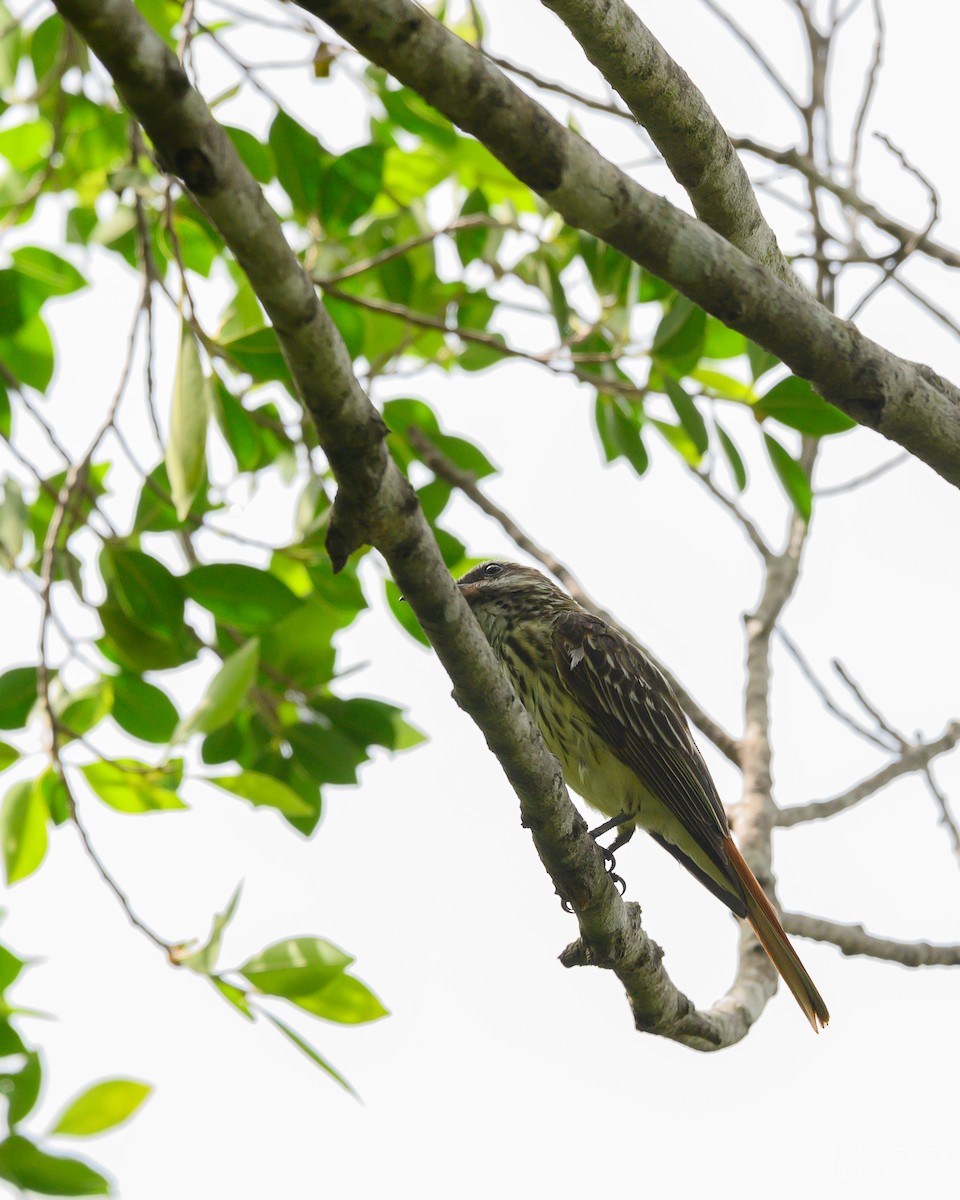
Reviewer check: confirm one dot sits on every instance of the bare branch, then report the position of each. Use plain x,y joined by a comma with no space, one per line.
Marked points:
851,198
947,819
874,712
745,523
915,758
826,699
611,110
869,87
840,489
755,53
854,940
443,468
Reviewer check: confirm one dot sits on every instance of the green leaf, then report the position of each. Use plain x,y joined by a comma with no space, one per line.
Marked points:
28,354
257,158
242,596
144,588
10,967
404,613
733,457
794,402
263,791
55,796
32,1169
295,967
345,1000
326,754
722,342
681,332
56,276
761,361
204,960
792,476
299,646
101,1107
471,243
155,511
225,693
78,712
690,416
349,186
23,830
619,424
137,650
233,995
143,710
299,159
305,1048
8,755
185,454
133,787
22,1088
724,386
13,523
18,694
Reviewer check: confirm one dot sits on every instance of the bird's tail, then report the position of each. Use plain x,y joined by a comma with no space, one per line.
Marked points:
772,937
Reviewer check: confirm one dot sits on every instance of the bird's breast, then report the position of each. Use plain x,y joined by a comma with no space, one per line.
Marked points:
588,763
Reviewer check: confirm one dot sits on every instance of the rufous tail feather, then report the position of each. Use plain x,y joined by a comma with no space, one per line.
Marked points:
772,937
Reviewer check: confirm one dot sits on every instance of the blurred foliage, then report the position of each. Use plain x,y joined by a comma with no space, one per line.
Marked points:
25,1160
274,727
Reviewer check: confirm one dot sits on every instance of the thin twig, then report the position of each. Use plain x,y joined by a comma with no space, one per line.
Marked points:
947,819
865,704
854,940
826,699
611,109
744,521
870,84
840,489
474,221
914,758
757,54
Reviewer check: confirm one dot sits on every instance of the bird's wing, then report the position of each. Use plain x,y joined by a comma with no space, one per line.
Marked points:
636,712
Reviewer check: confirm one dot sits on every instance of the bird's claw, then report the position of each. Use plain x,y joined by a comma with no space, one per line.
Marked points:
611,864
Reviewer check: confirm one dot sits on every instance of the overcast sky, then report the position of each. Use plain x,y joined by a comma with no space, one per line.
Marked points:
498,1071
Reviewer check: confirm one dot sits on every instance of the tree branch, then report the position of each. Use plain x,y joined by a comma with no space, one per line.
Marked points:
851,197
375,503
904,401
854,940
915,758
673,110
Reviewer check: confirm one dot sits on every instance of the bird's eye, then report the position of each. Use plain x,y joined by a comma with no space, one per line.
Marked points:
492,569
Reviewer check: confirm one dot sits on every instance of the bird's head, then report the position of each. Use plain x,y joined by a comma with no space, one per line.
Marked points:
506,592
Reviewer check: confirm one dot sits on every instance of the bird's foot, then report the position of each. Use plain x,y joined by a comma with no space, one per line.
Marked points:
611,864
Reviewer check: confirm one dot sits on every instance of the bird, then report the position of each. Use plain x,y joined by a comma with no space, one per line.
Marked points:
614,723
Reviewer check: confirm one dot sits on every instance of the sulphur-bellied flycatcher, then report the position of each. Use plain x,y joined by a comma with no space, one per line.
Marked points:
623,742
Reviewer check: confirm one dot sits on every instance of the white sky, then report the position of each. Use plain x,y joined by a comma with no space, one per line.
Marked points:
499,1071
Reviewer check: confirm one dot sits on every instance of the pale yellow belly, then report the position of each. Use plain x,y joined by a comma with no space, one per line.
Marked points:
606,783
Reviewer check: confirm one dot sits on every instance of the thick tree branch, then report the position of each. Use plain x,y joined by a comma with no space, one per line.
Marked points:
854,940
916,758
673,110
376,504
904,401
